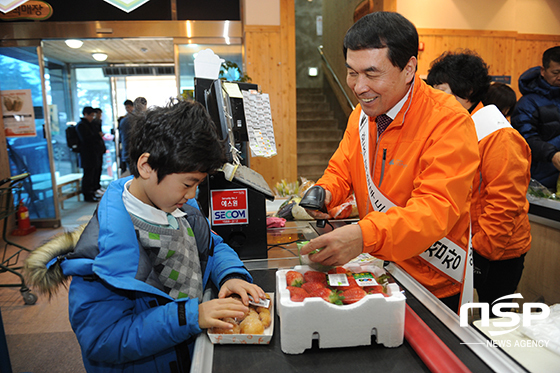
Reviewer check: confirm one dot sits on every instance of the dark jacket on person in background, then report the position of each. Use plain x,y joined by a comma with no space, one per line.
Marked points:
91,144
537,118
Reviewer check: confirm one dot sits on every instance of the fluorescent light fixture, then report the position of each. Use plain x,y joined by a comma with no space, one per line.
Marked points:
226,32
189,29
99,56
312,71
74,43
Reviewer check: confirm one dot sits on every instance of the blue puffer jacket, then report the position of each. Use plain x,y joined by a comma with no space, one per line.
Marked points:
537,118
122,323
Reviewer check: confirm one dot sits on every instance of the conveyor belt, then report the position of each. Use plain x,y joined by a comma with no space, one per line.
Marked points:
374,358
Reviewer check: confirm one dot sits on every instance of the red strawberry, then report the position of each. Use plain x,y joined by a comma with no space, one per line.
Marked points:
312,286
314,276
353,295
294,278
338,270
297,294
331,296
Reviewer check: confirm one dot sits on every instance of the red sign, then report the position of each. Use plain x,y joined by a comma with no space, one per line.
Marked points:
229,206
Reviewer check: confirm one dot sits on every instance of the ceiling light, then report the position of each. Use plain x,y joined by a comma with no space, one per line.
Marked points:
74,43
99,56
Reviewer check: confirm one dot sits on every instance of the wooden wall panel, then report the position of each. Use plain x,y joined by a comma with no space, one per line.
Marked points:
505,52
270,61
528,51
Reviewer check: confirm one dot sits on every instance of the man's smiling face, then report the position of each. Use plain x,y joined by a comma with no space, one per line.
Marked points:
376,83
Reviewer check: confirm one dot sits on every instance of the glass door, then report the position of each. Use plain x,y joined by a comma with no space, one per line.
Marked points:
27,132
93,88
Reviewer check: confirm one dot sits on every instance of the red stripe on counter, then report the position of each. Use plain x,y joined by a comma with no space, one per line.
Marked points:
433,352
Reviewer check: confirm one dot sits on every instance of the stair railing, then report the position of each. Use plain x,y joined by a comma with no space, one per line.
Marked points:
348,101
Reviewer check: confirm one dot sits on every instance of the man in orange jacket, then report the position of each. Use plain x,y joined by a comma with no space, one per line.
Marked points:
413,186
499,206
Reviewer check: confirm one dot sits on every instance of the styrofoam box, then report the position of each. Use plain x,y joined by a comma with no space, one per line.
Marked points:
339,326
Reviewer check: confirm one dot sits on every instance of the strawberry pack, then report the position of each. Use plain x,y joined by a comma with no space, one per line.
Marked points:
342,307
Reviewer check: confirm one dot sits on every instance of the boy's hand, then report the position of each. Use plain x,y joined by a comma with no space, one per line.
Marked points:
210,312
242,288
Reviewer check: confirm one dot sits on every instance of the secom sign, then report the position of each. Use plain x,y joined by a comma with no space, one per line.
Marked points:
498,305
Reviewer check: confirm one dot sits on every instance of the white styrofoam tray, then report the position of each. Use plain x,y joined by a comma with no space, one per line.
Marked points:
250,339
339,326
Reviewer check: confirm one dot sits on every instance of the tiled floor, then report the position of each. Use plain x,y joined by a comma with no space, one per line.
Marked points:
39,336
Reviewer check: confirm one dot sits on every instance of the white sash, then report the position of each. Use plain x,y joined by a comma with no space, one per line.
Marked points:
488,120
444,255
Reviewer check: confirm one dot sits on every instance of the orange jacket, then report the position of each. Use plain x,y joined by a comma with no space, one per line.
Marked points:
428,164
499,205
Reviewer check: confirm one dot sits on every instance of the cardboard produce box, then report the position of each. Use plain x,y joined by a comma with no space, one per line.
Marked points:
339,325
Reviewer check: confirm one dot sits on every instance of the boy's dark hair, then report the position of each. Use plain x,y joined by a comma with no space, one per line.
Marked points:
384,30
97,110
87,110
179,137
551,54
501,95
128,103
464,71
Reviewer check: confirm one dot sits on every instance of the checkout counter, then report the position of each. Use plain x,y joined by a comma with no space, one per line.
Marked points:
469,344
541,276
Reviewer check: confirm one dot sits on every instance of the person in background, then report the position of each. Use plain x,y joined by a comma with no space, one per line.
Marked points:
128,106
97,123
413,184
140,267
501,233
503,96
537,117
90,149
140,105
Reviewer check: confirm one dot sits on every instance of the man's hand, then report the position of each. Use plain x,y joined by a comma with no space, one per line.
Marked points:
242,288
556,160
337,247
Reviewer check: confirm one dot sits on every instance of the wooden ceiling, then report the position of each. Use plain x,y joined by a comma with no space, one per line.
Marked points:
119,51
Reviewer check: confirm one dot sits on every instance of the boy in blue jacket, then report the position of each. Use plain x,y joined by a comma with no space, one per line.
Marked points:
141,264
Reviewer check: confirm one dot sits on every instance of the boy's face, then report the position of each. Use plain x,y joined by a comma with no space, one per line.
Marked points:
171,193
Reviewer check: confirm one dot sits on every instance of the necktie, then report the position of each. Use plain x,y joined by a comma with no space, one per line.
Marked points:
383,122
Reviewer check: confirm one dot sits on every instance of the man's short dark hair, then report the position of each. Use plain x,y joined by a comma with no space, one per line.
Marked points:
87,110
128,103
384,30
464,71
551,54
180,137
501,95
